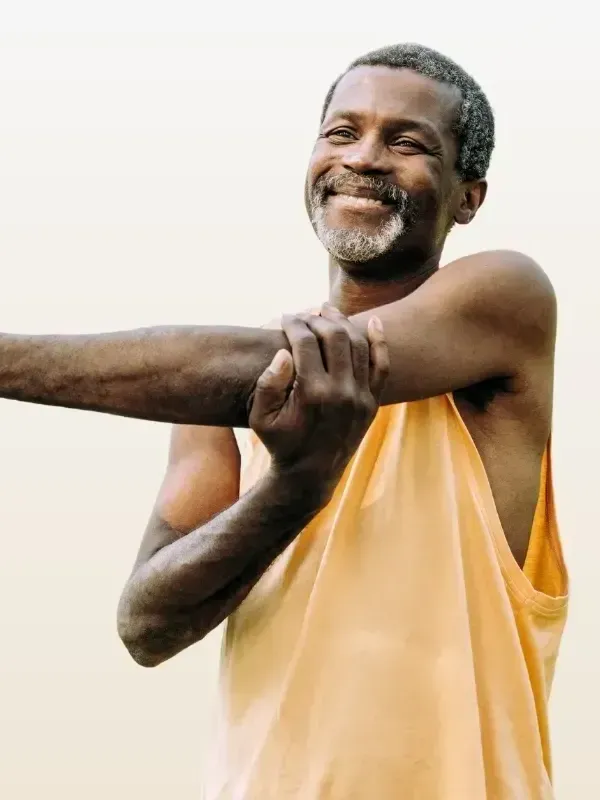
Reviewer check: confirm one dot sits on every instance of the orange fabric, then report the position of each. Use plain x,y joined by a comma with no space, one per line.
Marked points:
395,649
544,565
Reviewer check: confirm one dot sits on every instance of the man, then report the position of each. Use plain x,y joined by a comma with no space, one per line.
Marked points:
393,578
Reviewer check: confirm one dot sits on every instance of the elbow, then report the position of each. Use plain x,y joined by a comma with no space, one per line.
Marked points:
141,655
145,637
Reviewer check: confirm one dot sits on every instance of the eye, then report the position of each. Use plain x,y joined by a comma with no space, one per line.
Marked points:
409,145
340,134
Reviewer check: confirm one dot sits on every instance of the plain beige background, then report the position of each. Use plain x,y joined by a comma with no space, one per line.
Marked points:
151,171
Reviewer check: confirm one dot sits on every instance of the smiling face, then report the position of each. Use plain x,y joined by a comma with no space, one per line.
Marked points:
382,177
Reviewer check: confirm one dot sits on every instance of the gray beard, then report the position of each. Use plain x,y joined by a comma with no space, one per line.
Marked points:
350,244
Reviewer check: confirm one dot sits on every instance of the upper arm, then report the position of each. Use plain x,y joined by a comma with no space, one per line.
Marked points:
490,315
202,479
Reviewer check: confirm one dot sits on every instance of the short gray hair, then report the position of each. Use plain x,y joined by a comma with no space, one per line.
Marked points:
474,127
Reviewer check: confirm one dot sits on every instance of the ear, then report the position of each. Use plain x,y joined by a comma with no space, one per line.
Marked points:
470,199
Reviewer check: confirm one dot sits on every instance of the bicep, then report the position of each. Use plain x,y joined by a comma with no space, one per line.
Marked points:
483,317
201,480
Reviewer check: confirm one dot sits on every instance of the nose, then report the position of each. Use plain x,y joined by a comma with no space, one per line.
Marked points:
366,155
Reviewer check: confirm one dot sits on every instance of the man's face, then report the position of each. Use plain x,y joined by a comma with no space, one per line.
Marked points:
381,177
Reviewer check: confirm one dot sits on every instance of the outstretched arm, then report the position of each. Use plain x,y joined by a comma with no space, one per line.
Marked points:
482,317
185,374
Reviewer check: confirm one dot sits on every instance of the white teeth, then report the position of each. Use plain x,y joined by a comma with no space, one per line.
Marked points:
361,202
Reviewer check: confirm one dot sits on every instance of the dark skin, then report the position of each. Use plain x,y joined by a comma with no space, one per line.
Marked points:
482,328
311,412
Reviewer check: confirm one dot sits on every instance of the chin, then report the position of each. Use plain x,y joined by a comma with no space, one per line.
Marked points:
361,245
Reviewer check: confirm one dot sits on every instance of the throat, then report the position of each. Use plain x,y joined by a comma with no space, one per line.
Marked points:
353,292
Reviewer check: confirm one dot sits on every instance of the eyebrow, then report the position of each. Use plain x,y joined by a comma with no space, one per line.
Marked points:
424,127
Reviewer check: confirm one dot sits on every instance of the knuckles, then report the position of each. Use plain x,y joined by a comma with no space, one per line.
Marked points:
321,393
305,329
303,338
359,344
335,333
330,395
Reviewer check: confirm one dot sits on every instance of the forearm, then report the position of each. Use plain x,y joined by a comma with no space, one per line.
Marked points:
187,375
175,598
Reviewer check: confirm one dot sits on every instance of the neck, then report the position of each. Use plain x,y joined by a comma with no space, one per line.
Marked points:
355,290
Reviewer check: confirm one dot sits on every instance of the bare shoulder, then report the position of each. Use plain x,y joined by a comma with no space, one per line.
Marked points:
509,287
509,270
511,263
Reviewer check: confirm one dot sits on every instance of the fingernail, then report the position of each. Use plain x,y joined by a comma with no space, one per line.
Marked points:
279,361
377,324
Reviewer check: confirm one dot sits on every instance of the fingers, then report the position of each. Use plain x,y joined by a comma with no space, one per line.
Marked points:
379,357
335,346
306,352
272,387
330,342
359,343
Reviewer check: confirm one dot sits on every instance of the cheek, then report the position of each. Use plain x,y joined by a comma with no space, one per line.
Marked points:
318,165
321,161
307,186
429,173
424,187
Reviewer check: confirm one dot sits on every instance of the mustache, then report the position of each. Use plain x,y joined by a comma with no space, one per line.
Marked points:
386,192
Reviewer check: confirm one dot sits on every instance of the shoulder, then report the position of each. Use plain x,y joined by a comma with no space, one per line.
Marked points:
505,265
508,289
506,273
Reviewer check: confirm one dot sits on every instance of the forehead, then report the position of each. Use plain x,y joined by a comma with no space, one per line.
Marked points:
388,94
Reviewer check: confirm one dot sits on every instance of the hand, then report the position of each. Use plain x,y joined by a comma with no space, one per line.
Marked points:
311,408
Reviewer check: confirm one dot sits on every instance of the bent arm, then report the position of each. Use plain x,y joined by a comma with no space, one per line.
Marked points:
203,551
476,319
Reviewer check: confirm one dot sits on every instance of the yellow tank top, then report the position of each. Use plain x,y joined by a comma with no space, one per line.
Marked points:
396,650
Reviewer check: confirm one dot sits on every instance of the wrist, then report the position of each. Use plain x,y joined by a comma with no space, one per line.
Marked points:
299,486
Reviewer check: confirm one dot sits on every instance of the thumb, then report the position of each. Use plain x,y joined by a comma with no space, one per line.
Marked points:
272,386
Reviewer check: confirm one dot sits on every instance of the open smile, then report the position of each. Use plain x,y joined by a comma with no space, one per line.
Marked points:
357,200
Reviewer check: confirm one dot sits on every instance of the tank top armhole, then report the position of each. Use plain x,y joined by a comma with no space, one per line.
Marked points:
542,584
545,566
